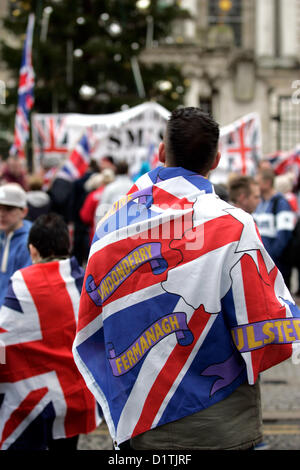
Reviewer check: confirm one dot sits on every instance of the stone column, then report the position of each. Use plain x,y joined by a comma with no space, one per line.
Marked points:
248,25
265,28
190,24
3,8
193,93
289,15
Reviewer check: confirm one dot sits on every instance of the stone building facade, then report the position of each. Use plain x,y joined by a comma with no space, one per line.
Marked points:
241,56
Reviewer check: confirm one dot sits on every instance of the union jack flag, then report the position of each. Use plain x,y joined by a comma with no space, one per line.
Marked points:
240,147
25,95
42,392
179,294
286,161
79,159
50,137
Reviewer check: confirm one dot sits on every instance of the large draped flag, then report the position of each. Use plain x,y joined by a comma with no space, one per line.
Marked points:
42,392
25,95
180,304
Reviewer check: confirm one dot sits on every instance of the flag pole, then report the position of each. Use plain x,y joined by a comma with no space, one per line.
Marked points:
35,53
25,96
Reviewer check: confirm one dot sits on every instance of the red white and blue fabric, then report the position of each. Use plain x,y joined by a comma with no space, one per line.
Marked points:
25,95
50,137
41,389
78,161
240,146
286,162
181,304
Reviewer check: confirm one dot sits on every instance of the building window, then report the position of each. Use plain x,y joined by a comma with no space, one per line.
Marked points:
288,123
227,14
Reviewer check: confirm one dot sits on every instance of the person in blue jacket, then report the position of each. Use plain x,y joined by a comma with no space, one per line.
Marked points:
276,222
14,253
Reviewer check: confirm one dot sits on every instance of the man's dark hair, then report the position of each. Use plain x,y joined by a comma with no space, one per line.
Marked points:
221,191
191,139
110,159
122,168
49,234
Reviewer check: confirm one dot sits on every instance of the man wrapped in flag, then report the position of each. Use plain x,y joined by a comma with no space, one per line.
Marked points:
25,95
45,403
181,307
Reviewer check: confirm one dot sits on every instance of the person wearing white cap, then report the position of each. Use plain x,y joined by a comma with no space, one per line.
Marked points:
14,253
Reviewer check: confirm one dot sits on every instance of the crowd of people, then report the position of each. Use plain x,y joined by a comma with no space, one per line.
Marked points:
271,199
80,203
46,228
273,202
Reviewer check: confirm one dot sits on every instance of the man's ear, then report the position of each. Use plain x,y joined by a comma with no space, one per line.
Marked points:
34,253
216,161
162,152
241,199
25,211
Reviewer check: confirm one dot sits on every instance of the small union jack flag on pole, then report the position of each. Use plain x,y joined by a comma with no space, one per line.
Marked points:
25,94
79,159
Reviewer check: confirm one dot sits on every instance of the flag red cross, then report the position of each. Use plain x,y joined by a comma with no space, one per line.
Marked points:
243,148
51,134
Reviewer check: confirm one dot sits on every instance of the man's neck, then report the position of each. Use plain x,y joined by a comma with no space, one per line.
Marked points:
267,195
170,165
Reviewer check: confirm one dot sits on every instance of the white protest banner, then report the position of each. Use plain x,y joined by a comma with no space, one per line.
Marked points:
126,135
134,134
